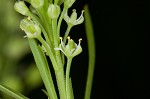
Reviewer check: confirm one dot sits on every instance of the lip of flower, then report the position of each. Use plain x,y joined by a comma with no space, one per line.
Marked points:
71,49
73,18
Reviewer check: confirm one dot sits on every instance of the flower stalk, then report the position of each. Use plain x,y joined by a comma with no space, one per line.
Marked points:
42,25
46,18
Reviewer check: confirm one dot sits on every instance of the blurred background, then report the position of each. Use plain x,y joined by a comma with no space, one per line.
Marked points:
17,68
122,62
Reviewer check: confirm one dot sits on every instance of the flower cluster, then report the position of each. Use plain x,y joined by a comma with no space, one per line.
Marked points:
41,13
42,22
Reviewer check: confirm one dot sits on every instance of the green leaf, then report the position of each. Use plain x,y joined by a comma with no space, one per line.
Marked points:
12,92
91,50
43,67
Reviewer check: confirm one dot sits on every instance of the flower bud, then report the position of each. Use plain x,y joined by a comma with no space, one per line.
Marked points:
37,3
21,7
53,11
68,3
31,28
72,20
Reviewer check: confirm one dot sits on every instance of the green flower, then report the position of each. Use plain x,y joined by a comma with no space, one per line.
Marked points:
31,28
37,3
71,49
72,20
53,11
21,7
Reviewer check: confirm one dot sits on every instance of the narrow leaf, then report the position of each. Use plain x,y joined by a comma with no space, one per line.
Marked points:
12,92
43,68
91,50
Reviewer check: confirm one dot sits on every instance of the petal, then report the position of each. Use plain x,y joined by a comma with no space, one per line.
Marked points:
78,49
80,19
66,17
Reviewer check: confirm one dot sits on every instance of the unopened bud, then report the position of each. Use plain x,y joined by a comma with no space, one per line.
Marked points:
21,7
37,3
53,11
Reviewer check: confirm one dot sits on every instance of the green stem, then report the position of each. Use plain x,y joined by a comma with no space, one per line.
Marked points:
59,74
91,50
50,52
67,33
56,40
46,2
50,1
58,68
61,83
54,28
60,21
68,83
46,23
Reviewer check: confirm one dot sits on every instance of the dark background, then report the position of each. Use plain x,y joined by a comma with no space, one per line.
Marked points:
121,29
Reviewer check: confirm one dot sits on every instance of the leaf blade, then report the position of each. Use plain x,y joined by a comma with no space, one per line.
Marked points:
91,51
12,92
43,68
